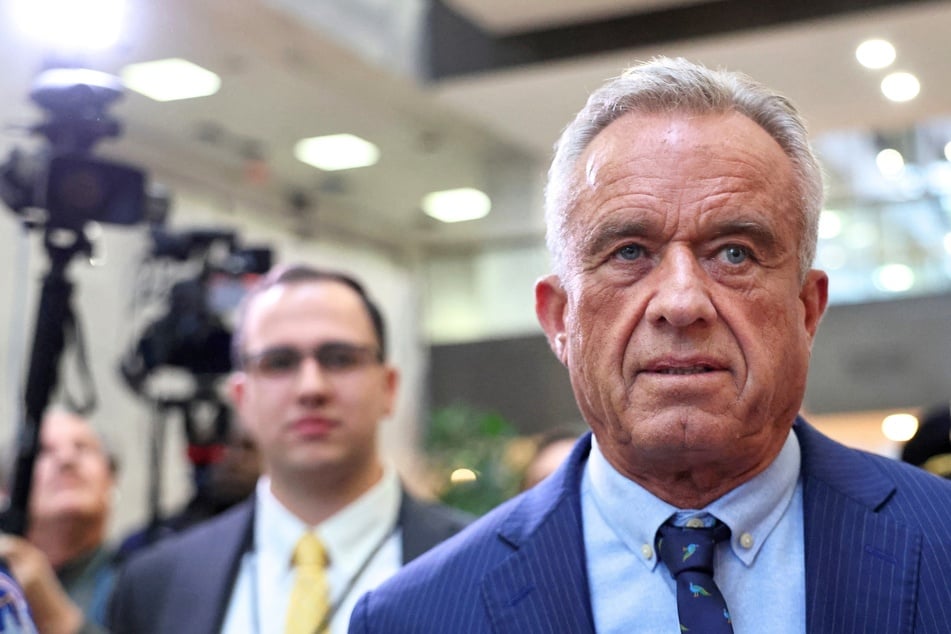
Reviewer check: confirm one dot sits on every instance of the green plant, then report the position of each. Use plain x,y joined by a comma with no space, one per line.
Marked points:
475,457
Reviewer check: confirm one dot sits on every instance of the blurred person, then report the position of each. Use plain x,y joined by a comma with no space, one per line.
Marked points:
551,449
682,212
311,387
930,447
64,563
224,474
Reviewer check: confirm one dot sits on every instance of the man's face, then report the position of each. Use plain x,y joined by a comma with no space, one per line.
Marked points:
72,477
682,319
313,419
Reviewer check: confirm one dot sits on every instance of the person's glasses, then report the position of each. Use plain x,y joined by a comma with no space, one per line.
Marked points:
331,357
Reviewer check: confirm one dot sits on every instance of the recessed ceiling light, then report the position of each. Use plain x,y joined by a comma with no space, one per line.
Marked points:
875,53
457,205
336,152
170,79
890,162
901,86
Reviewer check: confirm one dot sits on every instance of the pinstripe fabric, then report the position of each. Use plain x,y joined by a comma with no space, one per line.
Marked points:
520,569
880,529
877,540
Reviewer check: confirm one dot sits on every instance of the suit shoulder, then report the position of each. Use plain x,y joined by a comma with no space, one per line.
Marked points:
230,526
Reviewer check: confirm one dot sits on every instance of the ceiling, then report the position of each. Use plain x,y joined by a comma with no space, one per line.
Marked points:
458,93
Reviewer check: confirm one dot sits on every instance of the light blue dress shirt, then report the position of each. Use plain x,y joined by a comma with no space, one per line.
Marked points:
760,571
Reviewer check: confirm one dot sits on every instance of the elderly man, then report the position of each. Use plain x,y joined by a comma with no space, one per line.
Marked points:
329,519
682,211
64,565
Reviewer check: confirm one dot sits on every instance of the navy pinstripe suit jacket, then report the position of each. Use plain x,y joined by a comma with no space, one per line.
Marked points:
877,548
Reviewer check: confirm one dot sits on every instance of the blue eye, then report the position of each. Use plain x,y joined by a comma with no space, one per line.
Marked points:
630,252
735,254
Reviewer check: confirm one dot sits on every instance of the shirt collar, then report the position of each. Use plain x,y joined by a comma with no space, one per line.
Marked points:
751,510
349,535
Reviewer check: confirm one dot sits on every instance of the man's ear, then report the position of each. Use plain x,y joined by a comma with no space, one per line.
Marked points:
814,296
550,303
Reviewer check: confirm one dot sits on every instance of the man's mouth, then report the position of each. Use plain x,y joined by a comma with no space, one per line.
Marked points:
683,371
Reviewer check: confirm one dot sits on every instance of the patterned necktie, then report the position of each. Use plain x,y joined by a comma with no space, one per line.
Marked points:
310,597
688,555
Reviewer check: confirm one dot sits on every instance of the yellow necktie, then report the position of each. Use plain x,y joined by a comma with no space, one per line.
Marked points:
310,597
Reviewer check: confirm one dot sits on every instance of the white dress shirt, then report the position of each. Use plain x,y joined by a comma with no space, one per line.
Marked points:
362,535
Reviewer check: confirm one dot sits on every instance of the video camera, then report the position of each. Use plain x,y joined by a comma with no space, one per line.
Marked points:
192,333
60,189
63,181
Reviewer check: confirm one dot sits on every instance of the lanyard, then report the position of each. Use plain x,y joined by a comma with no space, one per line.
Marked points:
335,606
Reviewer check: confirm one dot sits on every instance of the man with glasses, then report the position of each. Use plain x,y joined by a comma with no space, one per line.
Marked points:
311,386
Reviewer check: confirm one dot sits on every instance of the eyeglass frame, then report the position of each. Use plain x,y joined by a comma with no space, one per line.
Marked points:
370,355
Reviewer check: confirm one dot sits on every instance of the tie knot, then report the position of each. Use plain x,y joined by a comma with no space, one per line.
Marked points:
682,548
309,551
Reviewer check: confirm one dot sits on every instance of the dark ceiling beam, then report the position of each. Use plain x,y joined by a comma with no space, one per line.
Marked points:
454,46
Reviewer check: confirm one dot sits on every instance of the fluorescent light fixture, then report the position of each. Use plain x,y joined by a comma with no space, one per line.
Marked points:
947,242
457,205
901,86
875,53
170,79
336,152
899,427
70,25
947,151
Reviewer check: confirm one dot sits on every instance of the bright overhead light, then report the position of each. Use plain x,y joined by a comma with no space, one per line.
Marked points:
71,24
336,152
894,278
457,205
947,151
899,427
890,162
875,53
947,242
901,86
170,79
830,224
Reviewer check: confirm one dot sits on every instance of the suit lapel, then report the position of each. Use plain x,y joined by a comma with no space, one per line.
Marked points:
208,577
849,545
543,585
423,526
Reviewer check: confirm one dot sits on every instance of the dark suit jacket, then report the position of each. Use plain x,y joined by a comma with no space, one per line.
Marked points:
183,584
877,549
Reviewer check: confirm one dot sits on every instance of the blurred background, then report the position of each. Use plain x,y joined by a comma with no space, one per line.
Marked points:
459,102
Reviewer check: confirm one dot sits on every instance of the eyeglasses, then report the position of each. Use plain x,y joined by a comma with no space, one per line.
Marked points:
334,357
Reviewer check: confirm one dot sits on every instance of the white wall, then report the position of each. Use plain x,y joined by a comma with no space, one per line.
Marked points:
103,295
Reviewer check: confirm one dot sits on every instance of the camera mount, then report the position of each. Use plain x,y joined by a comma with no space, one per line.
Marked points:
72,188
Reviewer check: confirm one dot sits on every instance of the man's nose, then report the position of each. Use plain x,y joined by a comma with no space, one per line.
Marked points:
311,378
682,290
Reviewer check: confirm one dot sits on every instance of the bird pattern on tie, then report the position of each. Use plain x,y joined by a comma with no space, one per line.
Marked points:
688,554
